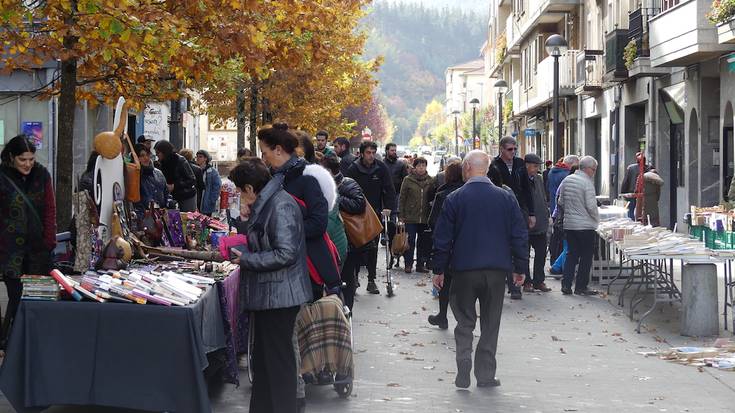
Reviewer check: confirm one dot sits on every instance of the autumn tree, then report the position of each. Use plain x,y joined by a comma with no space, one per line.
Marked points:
432,117
370,114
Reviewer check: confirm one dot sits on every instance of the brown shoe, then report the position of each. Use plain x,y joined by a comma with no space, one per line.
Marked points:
409,269
542,287
527,288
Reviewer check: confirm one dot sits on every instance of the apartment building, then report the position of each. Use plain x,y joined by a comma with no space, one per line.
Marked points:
651,76
464,82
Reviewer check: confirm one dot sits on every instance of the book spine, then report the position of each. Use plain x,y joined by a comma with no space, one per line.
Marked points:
64,282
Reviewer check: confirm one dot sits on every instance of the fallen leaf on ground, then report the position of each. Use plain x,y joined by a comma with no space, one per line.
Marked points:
616,334
394,385
429,367
562,351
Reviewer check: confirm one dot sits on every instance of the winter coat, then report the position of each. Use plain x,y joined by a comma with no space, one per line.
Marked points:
413,205
152,189
178,171
316,188
273,271
556,175
199,175
651,194
212,186
518,180
376,184
578,201
441,195
540,206
630,178
27,239
398,171
480,227
345,161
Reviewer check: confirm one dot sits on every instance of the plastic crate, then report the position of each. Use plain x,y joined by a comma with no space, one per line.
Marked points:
719,240
697,231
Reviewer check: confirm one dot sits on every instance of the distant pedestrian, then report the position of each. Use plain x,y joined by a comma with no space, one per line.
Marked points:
513,171
581,218
322,138
653,183
179,175
537,233
212,183
342,149
453,174
547,168
188,154
413,210
628,186
482,237
374,178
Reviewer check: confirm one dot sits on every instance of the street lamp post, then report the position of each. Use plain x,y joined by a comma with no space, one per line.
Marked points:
501,86
475,139
456,132
556,46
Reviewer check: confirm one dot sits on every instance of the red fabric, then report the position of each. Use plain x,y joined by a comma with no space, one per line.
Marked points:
49,217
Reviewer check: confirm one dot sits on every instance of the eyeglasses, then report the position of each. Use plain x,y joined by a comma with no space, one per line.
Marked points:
511,149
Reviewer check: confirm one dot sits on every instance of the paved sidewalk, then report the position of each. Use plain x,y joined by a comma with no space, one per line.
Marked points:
556,354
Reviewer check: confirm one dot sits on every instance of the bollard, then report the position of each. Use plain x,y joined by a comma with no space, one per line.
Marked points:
699,316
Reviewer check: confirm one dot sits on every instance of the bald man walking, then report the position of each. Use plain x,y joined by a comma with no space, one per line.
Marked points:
482,237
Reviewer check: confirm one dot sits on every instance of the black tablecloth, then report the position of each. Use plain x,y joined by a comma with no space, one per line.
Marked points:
144,357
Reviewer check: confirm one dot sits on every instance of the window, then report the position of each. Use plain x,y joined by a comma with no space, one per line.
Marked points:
667,4
520,7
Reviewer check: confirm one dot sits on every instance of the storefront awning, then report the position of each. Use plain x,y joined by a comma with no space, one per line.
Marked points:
674,100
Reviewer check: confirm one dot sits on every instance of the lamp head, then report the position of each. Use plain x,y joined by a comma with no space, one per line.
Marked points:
556,45
501,86
474,102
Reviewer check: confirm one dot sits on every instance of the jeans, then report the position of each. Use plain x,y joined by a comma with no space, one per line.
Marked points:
467,288
558,265
631,208
581,248
538,243
422,255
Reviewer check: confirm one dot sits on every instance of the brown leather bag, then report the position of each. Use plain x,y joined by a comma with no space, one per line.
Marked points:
399,245
362,228
132,175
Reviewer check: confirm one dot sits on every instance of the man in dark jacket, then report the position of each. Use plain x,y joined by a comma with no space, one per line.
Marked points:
374,178
515,176
478,272
628,186
188,154
537,233
179,176
398,169
342,149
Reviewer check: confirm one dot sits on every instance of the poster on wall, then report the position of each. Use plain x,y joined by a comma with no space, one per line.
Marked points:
35,131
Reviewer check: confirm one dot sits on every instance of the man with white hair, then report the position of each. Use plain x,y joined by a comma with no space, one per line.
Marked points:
481,236
581,218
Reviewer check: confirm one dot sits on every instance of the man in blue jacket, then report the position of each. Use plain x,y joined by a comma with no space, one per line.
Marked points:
482,237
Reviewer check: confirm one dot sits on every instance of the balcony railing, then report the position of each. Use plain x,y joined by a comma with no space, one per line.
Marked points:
638,29
615,43
590,70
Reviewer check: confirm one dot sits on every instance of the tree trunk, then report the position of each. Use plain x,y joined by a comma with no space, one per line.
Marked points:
253,116
241,117
65,146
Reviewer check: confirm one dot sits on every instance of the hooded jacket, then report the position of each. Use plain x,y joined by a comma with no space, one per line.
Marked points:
274,273
308,188
413,205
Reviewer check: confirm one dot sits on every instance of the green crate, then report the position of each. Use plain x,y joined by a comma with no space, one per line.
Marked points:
697,231
719,240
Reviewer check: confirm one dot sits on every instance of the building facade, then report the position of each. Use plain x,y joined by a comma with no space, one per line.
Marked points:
656,77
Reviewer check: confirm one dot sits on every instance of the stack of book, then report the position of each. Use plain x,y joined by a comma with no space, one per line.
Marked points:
39,287
146,287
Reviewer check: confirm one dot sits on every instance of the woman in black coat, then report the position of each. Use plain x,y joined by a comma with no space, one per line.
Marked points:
179,176
352,201
278,145
453,176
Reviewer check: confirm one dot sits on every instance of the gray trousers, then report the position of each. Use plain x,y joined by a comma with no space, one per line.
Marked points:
487,286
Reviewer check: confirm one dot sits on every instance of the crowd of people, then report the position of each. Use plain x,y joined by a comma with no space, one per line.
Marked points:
289,204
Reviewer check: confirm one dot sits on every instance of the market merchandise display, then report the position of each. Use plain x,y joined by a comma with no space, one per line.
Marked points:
636,239
39,287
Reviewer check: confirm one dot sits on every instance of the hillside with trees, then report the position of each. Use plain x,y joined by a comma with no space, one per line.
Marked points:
418,43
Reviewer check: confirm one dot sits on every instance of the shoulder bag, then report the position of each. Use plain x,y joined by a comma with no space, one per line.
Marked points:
362,228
